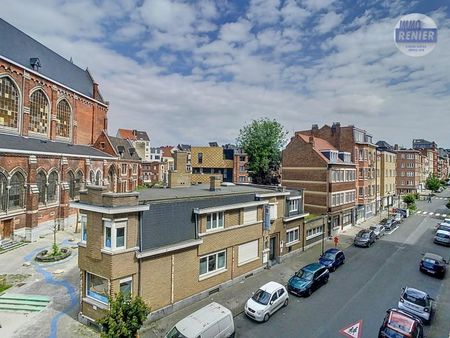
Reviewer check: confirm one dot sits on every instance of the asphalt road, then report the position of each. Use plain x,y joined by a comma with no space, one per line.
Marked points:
365,286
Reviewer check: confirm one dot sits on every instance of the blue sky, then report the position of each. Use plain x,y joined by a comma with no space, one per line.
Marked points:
197,71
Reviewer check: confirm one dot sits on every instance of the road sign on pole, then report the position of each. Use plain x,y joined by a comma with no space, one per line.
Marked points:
353,330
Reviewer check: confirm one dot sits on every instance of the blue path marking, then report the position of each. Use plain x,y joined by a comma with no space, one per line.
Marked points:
48,277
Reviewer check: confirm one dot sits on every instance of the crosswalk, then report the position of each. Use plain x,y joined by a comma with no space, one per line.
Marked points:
440,198
426,213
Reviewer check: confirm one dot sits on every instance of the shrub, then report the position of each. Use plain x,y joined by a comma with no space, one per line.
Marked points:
409,199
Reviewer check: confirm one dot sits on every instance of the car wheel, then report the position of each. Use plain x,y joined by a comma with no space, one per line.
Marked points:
286,302
333,269
308,293
266,317
325,281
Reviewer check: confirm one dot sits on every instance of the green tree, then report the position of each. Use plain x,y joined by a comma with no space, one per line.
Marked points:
409,199
432,183
263,140
125,317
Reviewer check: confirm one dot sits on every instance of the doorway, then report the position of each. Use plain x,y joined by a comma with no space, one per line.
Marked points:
272,247
7,228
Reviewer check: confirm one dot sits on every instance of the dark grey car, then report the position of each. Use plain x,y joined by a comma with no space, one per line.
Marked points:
364,238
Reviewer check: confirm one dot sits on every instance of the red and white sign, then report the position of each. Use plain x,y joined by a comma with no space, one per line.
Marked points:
353,330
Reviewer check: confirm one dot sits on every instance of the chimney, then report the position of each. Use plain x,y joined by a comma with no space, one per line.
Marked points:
95,90
336,127
311,141
314,129
214,183
396,147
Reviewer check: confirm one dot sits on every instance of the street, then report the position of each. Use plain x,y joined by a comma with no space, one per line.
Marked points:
366,286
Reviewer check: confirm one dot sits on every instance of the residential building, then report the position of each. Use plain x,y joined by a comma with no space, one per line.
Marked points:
199,239
240,163
155,154
386,175
408,171
428,148
327,175
359,144
443,163
140,141
51,112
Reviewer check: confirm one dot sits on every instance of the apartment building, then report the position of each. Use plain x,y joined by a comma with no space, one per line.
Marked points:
386,174
140,141
175,246
359,144
408,171
430,149
327,176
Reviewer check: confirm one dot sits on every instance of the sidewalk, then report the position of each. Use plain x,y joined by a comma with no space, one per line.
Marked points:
235,296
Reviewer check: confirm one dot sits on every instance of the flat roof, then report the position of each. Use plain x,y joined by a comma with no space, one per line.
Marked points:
201,190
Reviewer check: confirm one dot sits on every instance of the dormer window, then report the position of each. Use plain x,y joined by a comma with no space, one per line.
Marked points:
333,156
35,64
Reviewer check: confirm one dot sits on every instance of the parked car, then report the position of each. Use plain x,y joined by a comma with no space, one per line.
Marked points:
399,324
398,218
308,279
442,237
403,212
332,259
266,301
443,226
416,302
433,264
378,230
365,238
390,224
211,321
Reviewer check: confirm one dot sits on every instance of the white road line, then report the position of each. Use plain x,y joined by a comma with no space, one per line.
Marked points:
431,213
437,214
419,212
425,212
444,215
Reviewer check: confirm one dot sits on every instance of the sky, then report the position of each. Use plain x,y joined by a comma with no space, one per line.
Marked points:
197,71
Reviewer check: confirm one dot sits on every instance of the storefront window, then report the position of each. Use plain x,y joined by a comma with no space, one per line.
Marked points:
97,288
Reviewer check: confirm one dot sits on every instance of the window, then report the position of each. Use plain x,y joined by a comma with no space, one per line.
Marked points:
361,192
247,252
9,103
72,183
83,222
3,192
114,235
41,182
124,169
214,221
63,113
135,168
293,205
200,158
250,215
97,288
242,168
292,236
314,232
78,184
213,263
52,187
39,111
98,178
273,211
126,286
16,192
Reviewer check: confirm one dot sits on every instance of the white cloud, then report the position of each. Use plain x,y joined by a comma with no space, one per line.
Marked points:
236,31
328,22
318,4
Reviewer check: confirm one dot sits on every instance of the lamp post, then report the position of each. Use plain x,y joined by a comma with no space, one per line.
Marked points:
323,233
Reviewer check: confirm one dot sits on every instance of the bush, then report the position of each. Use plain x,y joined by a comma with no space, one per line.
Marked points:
125,317
412,207
409,199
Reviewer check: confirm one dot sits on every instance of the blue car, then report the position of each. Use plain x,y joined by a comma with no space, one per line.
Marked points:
332,259
308,279
433,264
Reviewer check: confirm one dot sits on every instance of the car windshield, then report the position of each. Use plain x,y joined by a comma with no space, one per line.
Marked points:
174,333
304,274
373,228
442,235
261,297
328,255
418,301
444,227
429,260
389,333
364,235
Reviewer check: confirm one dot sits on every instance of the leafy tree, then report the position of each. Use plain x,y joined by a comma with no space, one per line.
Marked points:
409,199
432,183
125,317
263,140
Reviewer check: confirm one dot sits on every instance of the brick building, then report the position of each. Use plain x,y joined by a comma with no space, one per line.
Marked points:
327,175
386,176
140,141
359,144
429,149
174,246
408,171
51,112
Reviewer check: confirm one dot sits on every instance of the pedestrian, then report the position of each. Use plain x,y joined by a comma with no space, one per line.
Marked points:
429,198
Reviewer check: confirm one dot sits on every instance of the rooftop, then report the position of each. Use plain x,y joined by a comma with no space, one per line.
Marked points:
133,135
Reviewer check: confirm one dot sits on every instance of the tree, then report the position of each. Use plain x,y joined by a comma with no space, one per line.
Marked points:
409,199
262,140
125,317
432,183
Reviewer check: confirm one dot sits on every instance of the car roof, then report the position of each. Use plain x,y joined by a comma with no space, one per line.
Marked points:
416,293
432,256
312,267
271,287
333,250
363,231
201,319
442,231
400,321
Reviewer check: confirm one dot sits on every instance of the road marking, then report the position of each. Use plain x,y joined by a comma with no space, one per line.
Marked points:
437,214
425,212
392,231
419,212
444,215
353,330
431,213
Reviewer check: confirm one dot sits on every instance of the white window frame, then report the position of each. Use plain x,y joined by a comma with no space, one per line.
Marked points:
293,205
125,280
83,225
295,239
114,225
217,270
219,223
273,210
314,232
87,287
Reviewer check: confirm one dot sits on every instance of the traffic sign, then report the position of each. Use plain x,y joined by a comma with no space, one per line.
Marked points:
353,330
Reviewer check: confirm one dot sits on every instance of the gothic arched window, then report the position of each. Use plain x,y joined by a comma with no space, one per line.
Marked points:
39,110
52,191
16,191
41,182
9,103
63,113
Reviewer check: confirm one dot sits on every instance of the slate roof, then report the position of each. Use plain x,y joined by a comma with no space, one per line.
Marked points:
134,135
128,153
184,147
33,145
20,48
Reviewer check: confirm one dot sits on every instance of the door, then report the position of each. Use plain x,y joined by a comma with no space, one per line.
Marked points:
272,246
274,302
7,228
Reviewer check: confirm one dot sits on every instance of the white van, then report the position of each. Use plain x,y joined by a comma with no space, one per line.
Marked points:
211,321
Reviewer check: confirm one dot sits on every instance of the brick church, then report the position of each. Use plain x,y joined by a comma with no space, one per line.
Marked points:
53,138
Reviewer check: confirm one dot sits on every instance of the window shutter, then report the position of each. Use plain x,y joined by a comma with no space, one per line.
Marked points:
247,252
250,215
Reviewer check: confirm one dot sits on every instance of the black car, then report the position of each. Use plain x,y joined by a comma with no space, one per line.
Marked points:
433,264
332,259
365,238
308,279
399,324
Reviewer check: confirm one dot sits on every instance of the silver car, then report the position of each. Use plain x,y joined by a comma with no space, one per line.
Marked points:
416,302
442,237
266,301
378,230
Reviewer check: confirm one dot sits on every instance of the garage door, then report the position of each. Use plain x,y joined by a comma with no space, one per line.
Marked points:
247,252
